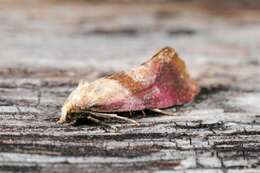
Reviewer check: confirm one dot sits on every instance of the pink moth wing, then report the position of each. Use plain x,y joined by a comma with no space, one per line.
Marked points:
161,82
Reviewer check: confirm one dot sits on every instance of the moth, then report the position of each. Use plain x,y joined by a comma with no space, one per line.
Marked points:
159,83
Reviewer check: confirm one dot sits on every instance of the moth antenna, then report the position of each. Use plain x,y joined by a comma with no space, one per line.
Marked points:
101,123
163,112
104,115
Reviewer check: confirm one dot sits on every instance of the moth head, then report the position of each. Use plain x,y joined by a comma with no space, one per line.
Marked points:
71,106
67,113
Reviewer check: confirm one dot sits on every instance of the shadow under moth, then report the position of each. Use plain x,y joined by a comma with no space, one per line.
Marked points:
161,82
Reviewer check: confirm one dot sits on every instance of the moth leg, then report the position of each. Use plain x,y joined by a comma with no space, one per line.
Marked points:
130,114
163,112
104,115
101,123
143,112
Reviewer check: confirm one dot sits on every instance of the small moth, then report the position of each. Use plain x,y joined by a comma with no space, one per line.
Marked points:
161,82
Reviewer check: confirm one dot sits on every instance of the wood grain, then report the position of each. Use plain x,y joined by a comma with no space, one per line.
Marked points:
46,49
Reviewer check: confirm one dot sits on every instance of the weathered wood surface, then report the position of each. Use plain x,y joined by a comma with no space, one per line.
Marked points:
45,49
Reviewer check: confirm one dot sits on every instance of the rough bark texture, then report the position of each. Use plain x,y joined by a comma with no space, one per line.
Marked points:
46,48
